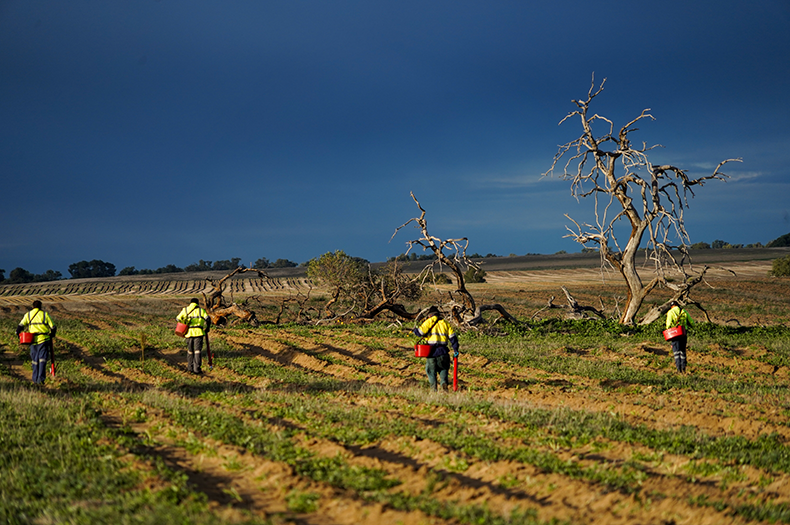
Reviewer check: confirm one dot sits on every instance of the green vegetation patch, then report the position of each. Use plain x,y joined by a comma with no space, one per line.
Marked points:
59,466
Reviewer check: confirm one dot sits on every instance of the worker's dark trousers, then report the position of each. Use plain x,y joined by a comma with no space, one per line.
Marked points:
437,365
38,358
679,352
194,349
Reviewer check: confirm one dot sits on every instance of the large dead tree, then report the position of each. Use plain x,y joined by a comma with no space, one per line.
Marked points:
625,185
219,310
463,307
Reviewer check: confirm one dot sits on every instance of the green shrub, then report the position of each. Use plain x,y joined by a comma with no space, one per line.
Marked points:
475,275
441,278
781,267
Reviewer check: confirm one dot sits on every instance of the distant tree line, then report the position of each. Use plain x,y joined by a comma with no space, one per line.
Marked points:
207,266
99,268
20,275
263,263
200,266
719,245
94,268
413,257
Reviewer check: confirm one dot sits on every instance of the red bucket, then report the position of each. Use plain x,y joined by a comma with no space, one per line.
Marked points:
671,333
25,338
181,329
422,350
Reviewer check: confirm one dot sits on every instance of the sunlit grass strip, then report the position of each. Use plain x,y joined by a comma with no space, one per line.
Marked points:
360,368
277,446
75,372
59,465
541,355
251,367
539,349
452,510
8,336
770,512
96,342
362,426
766,452
369,484
154,367
119,339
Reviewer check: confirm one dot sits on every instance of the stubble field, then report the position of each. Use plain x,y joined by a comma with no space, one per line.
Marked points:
554,421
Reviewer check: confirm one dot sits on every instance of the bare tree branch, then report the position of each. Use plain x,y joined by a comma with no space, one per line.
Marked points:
216,307
465,310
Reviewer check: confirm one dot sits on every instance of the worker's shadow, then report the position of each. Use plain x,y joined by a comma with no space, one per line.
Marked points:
655,351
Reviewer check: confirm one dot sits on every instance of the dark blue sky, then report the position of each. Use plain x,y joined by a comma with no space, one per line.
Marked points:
163,132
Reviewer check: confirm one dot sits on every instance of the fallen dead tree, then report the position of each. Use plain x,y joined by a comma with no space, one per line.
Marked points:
387,288
575,310
359,293
681,294
219,310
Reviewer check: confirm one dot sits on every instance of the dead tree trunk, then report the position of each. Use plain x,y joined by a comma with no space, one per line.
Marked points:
396,308
219,310
575,310
681,295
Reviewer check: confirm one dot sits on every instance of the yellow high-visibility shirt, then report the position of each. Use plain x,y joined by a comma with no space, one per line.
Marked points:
677,316
196,318
442,334
39,323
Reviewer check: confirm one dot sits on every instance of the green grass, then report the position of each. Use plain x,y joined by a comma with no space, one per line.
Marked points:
61,464
79,470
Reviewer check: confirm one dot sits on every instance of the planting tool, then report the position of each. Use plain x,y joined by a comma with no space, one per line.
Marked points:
210,357
455,374
52,356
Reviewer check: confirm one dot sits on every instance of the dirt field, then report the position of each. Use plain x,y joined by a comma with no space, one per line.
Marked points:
508,440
